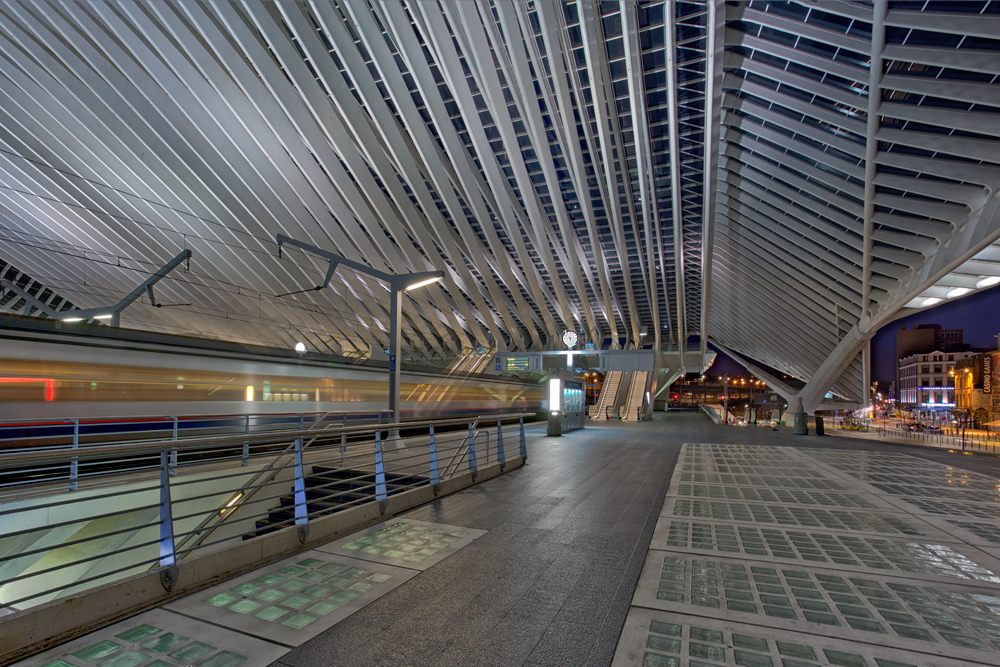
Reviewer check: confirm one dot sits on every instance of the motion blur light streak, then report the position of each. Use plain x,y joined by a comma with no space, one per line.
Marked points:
50,385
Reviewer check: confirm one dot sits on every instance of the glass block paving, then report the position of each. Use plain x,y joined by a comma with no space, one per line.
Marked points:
405,543
825,602
772,481
659,639
953,508
296,599
806,517
161,639
829,549
799,556
987,532
782,496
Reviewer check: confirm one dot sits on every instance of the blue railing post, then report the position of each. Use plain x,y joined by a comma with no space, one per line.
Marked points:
301,507
473,463
343,440
173,452
246,443
435,474
380,491
500,456
74,466
523,446
168,555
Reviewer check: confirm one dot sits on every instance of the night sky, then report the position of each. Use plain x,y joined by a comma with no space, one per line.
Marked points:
978,314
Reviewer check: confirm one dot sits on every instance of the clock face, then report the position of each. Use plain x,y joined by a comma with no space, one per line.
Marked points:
570,338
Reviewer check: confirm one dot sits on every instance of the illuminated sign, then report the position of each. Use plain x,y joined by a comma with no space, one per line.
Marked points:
517,364
987,375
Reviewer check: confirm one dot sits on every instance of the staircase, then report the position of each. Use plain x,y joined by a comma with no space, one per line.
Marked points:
608,394
636,396
330,490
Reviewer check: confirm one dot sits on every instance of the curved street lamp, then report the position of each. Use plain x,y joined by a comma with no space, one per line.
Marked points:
398,282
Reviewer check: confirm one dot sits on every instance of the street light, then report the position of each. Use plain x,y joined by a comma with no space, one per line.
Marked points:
403,282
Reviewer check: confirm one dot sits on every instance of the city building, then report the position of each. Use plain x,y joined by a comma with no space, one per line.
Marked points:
976,398
924,339
926,382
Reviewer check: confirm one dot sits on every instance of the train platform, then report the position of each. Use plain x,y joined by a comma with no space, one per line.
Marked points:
669,542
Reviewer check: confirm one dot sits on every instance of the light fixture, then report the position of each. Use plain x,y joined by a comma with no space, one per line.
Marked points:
930,301
72,319
988,281
300,348
428,281
249,393
105,316
958,291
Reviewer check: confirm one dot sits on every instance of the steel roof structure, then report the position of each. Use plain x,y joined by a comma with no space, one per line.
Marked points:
658,173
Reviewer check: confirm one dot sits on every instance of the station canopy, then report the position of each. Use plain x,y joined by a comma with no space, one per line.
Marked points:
654,174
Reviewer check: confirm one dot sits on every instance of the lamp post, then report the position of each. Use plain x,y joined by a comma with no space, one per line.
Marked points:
725,407
402,282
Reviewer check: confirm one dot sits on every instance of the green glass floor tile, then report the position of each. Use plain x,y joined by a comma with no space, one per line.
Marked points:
269,579
223,659
343,596
298,621
192,652
747,659
271,613
321,608
97,651
963,640
61,663
378,577
244,606
750,643
331,568
246,589
296,601
796,650
125,659
356,572
292,585
137,634
338,580
372,550
310,562
393,553
361,586
159,663
164,642
657,660
353,546
314,576
270,595
221,600
668,629
843,659
292,570
318,591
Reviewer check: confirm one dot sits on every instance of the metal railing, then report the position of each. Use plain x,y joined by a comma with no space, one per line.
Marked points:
143,505
949,438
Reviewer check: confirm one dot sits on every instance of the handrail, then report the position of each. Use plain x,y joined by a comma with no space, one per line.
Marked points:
130,483
149,447
463,449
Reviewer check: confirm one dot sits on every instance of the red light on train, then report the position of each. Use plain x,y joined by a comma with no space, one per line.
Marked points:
50,385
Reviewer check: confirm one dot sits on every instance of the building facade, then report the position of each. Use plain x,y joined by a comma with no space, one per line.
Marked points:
926,382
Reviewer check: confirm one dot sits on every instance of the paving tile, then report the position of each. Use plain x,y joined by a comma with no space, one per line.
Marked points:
404,543
655,638
159,638
294,599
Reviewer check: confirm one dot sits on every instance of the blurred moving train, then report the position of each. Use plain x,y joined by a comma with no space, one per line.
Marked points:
53,370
